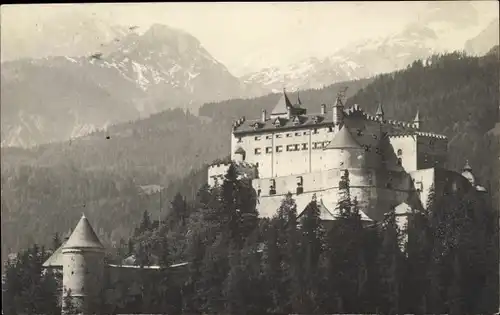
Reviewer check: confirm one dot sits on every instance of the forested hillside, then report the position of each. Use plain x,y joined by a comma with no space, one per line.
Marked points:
44,188
457,95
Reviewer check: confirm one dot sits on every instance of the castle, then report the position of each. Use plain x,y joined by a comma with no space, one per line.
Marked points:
391,164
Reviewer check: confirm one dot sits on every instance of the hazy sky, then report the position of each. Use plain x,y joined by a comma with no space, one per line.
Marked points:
254,33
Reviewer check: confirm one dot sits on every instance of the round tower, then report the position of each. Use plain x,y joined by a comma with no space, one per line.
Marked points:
83,270
346,152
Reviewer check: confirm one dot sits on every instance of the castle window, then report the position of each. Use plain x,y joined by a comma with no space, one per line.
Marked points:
300,188
306,133
288,135
367,148
359,132
296,147
258,192
279,135
330,129
297,134
269,149
257,138
279,148
419,186
326,143
374,136
257,151
304,146
341,164
400,152
269,137
239,140
272,187
289,147
315,131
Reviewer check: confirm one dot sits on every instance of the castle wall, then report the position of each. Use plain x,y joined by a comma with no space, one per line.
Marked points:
376,190
283,153
83,275
404,155
431,152
216,173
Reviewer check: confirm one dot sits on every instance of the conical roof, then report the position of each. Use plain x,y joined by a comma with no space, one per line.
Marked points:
417,117
380,110
343,140
83,236
55,260
282,105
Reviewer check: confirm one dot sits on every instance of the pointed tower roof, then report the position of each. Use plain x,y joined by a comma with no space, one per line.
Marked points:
417,117
298,98
343,140
380,110
338,102
282,105
83,236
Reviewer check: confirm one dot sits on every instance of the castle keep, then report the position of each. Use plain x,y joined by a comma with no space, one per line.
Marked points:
391,163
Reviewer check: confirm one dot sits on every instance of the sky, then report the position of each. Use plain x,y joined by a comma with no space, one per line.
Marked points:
253,34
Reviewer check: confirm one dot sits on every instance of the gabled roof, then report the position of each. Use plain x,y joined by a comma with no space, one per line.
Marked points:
343,140
282,105
83,236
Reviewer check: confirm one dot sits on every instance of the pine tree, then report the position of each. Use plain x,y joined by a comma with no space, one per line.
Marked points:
312,245
389,264
179,211
455,297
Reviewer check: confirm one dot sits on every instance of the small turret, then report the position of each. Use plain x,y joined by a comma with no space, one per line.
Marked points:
380,112
338,113
467,173
416,120
263,116
323,109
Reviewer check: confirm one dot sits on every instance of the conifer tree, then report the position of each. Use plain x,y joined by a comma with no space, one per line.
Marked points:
389,262
272,267
311,249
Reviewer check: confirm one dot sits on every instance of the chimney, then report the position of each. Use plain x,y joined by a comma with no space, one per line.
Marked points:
323,109
263,116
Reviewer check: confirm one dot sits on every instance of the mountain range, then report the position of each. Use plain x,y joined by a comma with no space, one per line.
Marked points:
110,74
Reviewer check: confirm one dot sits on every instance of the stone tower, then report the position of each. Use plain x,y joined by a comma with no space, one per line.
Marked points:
83,268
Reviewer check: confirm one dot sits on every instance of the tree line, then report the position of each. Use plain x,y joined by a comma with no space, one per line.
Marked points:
295,263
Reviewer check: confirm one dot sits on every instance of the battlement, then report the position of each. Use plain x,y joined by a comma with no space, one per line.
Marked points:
244,170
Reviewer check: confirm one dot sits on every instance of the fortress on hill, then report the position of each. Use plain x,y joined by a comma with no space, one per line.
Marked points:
391,163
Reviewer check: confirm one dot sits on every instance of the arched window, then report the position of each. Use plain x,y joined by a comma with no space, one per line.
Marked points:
400,162
400,152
